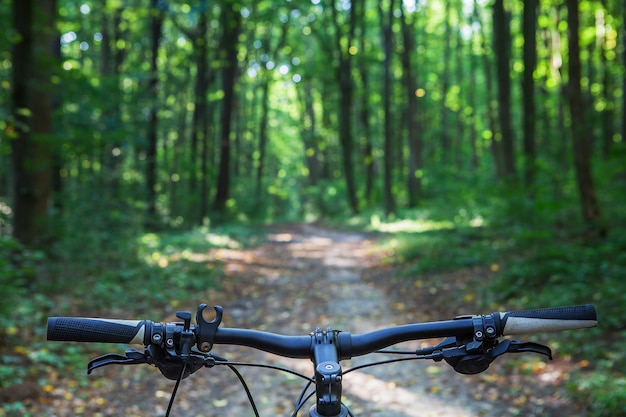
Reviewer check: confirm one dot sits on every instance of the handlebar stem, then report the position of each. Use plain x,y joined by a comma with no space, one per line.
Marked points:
328,378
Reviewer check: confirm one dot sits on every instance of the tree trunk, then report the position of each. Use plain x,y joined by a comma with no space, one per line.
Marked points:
153,121
445,85
205,159
308,132
364,111
502,51
581,144
346,93
608,112
198,126
623,131
459,119
265,107
32,105
387,35
471,93
231,21
113,54
528,91
262,136
412,122
179,147
496,146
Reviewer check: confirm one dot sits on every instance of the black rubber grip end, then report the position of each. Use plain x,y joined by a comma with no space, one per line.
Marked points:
581,312
72,329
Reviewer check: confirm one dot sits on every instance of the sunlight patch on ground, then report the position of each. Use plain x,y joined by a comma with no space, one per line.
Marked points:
280,237
408,225
161,250
419,225
222,241
390,398
400,400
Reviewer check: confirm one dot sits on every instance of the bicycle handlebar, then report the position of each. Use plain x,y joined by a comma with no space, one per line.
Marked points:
471,344
145,332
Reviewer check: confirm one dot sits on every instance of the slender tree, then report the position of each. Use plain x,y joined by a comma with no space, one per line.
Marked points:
308,131
412,119
472,89
386,20
445,84
623,80
200,119
231,21
365,106
343,45
460,121
272,50
528,90
581,144
502,51
199,141
113,53
623,30
153,89
496,145
607,113
33,60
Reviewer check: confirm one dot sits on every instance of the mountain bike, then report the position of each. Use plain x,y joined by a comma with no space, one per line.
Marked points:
178,349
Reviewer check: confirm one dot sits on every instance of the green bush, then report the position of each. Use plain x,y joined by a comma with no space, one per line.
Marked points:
17,272
568,272
603,391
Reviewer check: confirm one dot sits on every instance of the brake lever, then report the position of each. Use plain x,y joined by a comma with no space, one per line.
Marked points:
473,363
133,357
170,366
521,347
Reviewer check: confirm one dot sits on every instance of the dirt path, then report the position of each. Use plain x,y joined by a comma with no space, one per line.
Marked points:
305,277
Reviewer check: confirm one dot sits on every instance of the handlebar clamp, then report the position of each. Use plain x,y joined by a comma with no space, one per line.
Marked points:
205,330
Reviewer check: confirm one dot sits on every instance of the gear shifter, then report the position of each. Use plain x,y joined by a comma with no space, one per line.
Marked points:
474,363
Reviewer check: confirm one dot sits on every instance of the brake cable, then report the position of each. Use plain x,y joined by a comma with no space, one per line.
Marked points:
369,365
300,402
245,387
175,390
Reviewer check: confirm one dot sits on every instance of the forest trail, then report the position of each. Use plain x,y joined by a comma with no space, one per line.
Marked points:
300,278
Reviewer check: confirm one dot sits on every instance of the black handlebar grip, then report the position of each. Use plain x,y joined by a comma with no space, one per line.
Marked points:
548,319
82,329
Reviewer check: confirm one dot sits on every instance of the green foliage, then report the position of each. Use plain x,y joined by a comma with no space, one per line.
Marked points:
542,258
25,355
565,272
16,409
18,271
105,265
443,250
546,270
604,390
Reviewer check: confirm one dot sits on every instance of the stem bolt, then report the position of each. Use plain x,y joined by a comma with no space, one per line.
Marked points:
205,346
